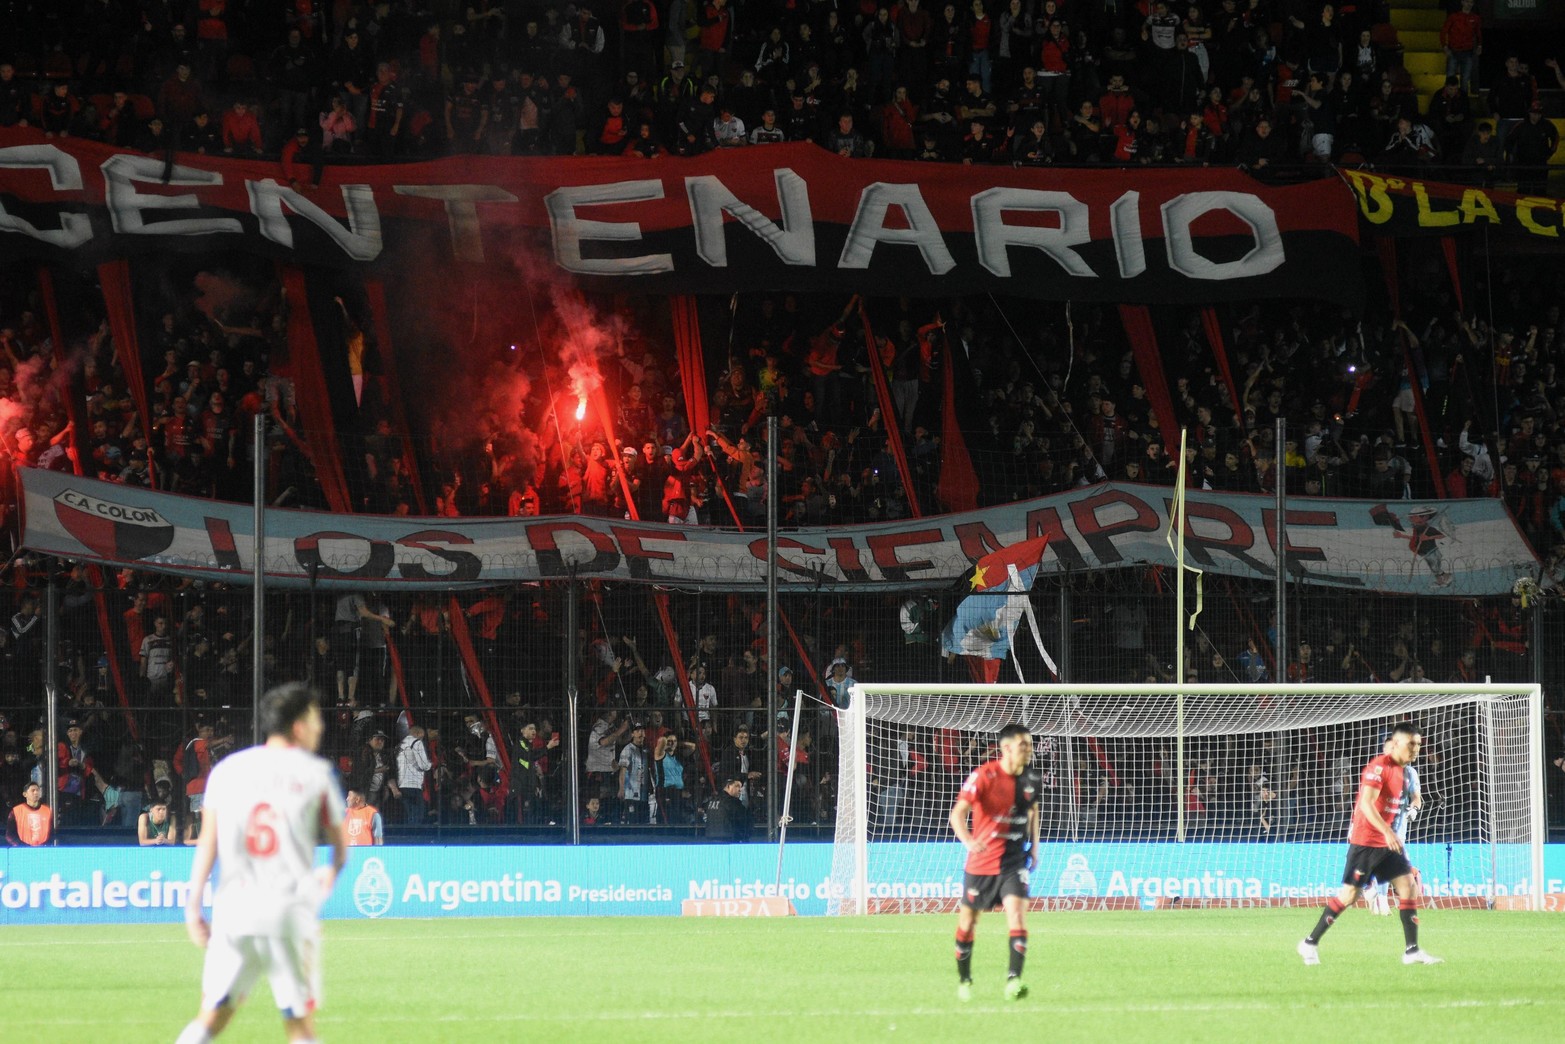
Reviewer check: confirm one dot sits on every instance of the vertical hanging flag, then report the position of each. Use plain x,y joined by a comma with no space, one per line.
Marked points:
986,619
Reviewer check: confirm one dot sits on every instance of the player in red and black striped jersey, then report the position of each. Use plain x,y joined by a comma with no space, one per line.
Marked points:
1001,796
1374,850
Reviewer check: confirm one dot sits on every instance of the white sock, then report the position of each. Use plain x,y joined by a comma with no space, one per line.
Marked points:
195,1033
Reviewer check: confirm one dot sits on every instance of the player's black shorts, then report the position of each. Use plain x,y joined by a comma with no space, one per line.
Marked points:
986,891
1381,864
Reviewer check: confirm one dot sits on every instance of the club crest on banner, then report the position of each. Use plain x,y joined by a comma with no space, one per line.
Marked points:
111,529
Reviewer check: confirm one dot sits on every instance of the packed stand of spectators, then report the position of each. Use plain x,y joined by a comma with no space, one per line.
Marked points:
427,756
1056,403
1258,83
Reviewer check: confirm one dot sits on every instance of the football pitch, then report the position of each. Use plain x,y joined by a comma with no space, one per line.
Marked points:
1157,976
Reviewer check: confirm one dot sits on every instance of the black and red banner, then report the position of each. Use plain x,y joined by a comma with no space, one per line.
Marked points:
1399,205
783,217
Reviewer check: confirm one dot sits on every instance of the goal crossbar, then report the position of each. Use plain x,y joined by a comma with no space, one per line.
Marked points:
1208,710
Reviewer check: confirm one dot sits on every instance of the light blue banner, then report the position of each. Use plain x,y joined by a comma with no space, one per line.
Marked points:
138,886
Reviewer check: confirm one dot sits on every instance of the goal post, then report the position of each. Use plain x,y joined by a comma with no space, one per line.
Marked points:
1271,774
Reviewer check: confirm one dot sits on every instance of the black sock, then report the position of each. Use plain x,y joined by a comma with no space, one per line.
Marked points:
1328,917
1409,912
1018,953
964,957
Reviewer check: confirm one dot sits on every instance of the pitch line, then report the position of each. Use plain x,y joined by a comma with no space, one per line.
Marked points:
1334,1004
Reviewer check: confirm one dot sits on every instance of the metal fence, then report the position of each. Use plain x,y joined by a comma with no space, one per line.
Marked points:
508,688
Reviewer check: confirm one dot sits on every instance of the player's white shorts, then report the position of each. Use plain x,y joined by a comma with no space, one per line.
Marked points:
291,962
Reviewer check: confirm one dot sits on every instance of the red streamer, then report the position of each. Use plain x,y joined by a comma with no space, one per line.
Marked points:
463,640
1143,342
1387,248
1214,337
375,291
957,487
309,377
692,368
888,413
114,279
1448,247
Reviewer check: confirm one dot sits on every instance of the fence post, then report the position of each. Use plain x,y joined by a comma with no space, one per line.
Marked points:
573,737
51,649
258,566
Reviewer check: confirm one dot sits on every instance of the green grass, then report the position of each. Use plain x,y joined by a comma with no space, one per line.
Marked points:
1163,976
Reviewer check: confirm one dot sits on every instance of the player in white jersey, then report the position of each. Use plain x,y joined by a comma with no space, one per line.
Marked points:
266,809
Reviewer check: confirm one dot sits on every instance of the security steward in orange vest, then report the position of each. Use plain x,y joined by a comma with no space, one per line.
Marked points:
31,822
364,823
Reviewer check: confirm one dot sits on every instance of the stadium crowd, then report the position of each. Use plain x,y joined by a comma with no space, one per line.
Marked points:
1259,83
1052,397
182,648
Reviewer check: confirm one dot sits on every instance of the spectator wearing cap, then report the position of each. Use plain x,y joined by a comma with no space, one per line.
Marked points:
300,163
726,817
839,682
672,92
373,773
1528,147
632,766
75,767
363,821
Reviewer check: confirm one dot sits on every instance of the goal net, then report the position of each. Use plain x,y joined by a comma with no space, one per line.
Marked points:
1201,795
